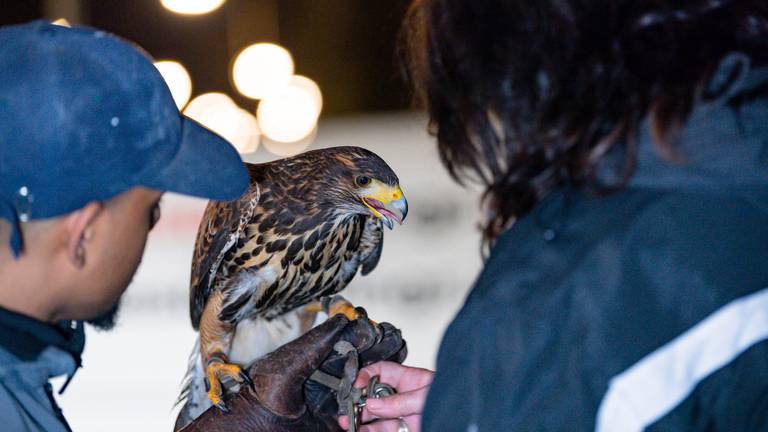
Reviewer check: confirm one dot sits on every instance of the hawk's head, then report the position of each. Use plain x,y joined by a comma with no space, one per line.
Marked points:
359,181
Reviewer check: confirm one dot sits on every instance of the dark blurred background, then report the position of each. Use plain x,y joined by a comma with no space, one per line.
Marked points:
346,46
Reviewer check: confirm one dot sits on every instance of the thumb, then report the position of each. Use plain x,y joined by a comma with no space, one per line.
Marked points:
398,405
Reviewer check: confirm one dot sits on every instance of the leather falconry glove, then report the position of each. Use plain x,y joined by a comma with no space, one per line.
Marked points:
372,343
284,399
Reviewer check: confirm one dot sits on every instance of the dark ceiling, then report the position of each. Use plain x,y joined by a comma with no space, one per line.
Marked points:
346,46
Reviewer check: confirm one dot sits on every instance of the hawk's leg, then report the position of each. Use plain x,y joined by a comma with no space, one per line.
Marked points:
215,341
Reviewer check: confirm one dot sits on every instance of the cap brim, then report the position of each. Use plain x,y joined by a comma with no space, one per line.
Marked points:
206,166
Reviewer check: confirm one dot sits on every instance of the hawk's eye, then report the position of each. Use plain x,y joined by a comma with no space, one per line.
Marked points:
363,180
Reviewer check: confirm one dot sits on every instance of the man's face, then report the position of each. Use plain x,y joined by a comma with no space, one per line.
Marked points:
113,252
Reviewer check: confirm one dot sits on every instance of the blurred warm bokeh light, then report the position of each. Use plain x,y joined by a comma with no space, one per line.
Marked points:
310,87
288,114
61,22
261,68
178,80
205,102
219,113
192,7
287,149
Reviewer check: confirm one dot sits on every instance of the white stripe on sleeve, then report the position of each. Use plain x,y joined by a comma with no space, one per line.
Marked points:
654,386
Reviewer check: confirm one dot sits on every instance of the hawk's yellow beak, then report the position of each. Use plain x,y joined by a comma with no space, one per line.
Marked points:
386,202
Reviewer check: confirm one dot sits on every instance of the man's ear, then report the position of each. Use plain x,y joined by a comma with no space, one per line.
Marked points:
79,231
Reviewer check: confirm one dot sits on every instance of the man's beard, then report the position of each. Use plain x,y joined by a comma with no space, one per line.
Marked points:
107,320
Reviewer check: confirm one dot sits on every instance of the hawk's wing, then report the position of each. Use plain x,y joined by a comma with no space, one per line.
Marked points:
220,228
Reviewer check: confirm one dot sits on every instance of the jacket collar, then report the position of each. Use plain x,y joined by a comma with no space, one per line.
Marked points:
47,349
724,143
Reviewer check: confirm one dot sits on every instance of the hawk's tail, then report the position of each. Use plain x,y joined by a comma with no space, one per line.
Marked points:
193,399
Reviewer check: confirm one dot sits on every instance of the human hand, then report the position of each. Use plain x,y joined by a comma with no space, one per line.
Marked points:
374,343
382,415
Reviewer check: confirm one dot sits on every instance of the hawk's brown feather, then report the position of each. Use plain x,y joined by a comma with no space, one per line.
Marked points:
290,239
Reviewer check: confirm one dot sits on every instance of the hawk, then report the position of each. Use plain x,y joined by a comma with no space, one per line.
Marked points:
300,233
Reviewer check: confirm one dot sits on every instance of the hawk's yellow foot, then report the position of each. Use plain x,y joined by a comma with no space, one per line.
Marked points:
339,305
216,371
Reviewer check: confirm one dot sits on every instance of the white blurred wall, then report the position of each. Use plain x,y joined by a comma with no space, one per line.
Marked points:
131,376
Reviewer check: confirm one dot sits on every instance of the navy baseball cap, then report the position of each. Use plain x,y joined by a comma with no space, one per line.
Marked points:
85,116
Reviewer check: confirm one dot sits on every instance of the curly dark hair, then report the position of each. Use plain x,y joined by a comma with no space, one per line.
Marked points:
526,96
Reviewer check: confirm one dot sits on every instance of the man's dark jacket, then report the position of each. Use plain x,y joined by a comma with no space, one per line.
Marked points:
31,353
644,310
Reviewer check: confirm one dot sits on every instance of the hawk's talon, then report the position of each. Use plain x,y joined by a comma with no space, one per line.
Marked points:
215,372
247,379
339,305
361,313
223,407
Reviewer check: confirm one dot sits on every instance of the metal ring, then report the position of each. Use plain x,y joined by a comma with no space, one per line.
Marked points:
402,426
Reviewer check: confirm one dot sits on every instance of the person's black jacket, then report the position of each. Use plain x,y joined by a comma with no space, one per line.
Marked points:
643,310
